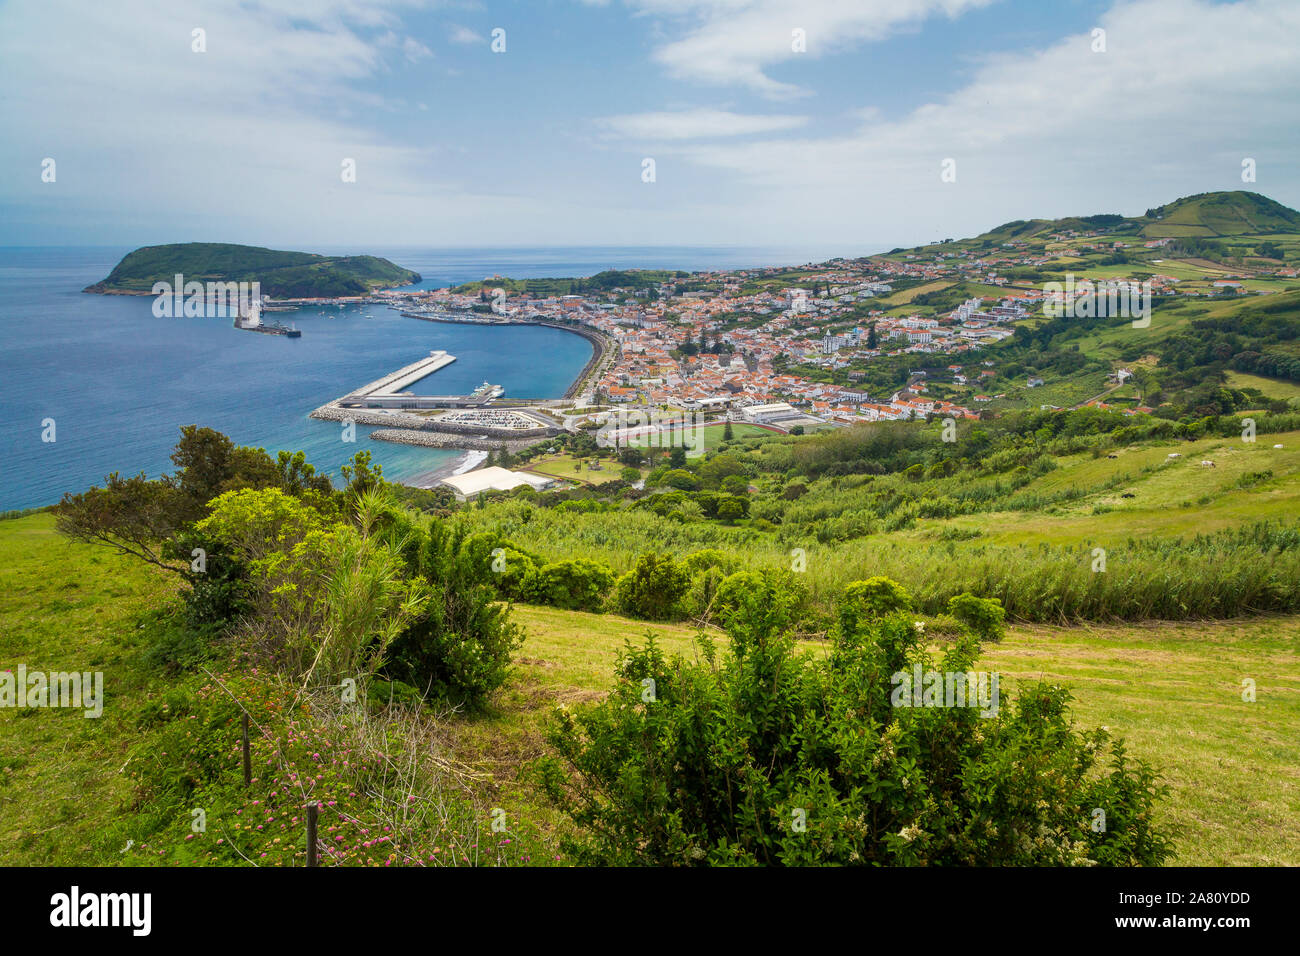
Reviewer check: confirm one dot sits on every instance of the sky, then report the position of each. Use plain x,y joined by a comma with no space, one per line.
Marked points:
825,125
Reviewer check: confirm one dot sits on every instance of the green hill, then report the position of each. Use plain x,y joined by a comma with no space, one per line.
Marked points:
1215,215
284,275
1220,214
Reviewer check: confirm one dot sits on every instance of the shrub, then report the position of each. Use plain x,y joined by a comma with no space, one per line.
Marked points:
984,616
760,755
697,561
733,591
701,596
461,646
866,600
578,585
325,600
730,510
681,479
514,573
652,589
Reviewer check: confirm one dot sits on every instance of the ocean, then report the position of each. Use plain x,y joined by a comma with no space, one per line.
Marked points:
119,382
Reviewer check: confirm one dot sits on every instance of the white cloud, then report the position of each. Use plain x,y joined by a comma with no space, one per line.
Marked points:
696,124
415,50
465,35
738,41
244,141
1185,90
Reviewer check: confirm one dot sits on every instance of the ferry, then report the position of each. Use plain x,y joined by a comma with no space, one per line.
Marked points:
488,390
252,322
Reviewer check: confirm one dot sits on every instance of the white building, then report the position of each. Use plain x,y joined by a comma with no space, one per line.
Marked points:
493,478
775,412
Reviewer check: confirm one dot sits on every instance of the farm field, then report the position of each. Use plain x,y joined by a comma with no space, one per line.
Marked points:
1269,387
1170,497
907,295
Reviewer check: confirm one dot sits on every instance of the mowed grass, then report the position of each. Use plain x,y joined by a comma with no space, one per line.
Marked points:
905,296
68,607
1174,693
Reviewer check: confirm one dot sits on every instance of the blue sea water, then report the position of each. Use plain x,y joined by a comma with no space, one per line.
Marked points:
119,382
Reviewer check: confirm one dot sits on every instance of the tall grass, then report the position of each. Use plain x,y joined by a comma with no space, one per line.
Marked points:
1255,568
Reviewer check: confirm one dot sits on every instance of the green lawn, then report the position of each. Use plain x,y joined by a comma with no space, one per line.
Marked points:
1176,497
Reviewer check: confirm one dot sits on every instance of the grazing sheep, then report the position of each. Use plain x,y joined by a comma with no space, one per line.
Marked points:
1207,464
1128,494
1277,446
1175,454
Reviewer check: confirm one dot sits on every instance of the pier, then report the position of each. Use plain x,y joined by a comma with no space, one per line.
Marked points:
389,391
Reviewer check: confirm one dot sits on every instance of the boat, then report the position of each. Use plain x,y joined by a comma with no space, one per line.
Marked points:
252,322
488,390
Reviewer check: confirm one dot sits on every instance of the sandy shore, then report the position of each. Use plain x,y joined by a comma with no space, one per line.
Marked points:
429,479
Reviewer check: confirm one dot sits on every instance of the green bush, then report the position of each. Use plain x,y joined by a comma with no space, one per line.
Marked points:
514,573
873,598
697,561
653,589
578,585
701,595
984,616
762,756
460,646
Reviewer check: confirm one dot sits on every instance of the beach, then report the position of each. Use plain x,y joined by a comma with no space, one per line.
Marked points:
466,462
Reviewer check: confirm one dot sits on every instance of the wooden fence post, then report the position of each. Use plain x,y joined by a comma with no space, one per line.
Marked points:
311,834
248,764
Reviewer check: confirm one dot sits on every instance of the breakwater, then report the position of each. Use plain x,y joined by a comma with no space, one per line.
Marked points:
431,439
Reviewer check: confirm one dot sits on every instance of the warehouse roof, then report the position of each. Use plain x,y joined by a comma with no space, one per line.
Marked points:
493,478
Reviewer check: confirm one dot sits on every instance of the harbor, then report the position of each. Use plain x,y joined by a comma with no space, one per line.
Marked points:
441,421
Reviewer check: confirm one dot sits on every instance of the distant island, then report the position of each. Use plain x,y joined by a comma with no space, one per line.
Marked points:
283,275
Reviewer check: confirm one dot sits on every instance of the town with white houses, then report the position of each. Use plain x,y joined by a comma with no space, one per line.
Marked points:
787,346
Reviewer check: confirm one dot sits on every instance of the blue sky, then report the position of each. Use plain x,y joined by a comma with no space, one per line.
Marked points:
834,148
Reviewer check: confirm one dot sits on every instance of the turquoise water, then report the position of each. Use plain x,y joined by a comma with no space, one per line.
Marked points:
120,382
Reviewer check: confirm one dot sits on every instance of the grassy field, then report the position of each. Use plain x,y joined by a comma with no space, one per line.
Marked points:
566,465
69,607
1270,387
1169,496
1173,691
905,296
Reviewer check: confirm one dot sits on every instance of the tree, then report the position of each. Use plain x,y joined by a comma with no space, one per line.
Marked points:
727,433
871,336
139,517
361,476
132,515
730,510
